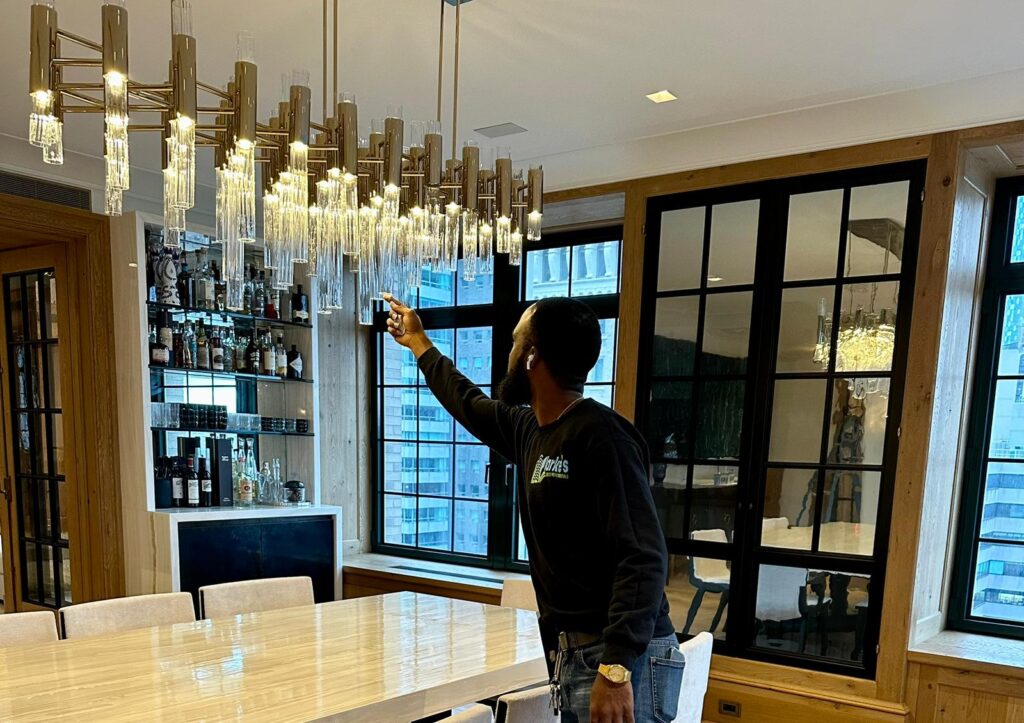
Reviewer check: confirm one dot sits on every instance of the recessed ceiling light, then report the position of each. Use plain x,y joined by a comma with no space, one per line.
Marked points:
715,279
501,129
662,96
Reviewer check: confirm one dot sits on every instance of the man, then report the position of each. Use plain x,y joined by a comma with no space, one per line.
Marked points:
597,554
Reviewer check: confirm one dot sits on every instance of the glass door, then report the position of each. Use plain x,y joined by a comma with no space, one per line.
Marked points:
38,492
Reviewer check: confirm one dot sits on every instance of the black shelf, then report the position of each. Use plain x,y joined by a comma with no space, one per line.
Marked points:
245,432
243,376
251,318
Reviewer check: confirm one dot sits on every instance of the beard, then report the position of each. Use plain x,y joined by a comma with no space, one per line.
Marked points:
514,389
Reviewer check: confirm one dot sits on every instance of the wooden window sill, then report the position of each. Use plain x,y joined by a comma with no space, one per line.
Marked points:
459,576
970,651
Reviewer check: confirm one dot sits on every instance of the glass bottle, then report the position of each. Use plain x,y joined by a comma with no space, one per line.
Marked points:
300,306
228,342
158,354
216,352
278,483
193,482
266,485
281,355
165,336
243,486
247,291
202,347
273,302
259,295
294,364
188,346
205,485
252,355
177,482
178,347
268,354
186,286
250,469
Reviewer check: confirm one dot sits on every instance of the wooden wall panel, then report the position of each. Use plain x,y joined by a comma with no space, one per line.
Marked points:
945,695
360,582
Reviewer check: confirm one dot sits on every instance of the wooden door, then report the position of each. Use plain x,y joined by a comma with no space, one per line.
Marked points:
39,500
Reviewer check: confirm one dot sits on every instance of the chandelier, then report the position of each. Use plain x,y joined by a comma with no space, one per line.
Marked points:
391,203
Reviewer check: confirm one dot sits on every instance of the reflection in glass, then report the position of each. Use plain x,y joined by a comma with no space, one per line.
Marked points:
857,434
798,407
733,243
812,239
849,511
668,420
726,333
713,500
1011,344
675,335
878,217
682,249
16,329
720,420
997,590
789,508
434,519
867,332
698,594
803,330
669,492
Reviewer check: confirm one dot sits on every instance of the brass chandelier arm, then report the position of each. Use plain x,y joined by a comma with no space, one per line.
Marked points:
61,87
81,109
84,42
83,98
77,62
213,90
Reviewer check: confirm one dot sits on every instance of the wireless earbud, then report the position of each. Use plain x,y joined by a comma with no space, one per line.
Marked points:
529,362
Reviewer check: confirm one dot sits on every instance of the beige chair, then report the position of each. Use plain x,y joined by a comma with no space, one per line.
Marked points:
27,628
519,594
253,596
774,523
126,613
526,706
697,656
476,713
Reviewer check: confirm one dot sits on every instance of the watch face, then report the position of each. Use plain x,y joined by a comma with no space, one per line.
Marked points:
618,674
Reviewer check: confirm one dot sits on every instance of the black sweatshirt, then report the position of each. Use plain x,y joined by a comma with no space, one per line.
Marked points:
597,555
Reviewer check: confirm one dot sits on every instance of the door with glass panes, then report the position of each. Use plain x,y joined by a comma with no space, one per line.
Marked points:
38,521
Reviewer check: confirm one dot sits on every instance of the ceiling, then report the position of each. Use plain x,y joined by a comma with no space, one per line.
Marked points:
573,72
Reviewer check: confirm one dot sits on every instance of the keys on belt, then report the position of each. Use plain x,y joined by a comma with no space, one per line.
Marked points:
567,643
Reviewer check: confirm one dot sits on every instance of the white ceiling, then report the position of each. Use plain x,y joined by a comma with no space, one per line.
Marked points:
573,72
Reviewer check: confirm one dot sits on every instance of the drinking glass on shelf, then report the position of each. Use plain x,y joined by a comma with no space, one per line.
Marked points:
289,426
233,422
255,423
156,410
172,415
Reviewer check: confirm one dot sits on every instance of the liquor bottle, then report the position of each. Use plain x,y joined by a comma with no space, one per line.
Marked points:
300,306
205,485
205,285
217,354
227,340
192,484
178,347
252,355
282,357
278,483
247,290
186,286
166,276
188,346
243,484
220,287
165,336
177,483
259,295
266,481
269,355
157,351
250,469
202,347
273,302
294,364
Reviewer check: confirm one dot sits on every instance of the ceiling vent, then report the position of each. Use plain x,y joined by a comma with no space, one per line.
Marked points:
41,190
502,129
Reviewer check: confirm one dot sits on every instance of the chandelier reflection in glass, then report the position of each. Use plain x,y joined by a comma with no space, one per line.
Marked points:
391,204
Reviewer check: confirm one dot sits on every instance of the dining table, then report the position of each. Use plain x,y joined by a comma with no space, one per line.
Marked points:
395,657
848,538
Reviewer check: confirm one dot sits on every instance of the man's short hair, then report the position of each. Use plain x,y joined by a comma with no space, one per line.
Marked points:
567,335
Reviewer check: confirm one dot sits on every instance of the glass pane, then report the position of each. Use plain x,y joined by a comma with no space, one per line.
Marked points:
399,363
471,470
604,369
859,409
595,269
16,328
675,335
400,412
435,524
399,467
27,378
399,520
798,407
698,594
1002,516
444,340
31,576
1011,360
29,496
849,513
471,527
669,491
547,273
50,280
1007,435
713,503
65,575
435,422
53,398
719,420
1017,248
821,613
56,449
600,392
478,291
868,330
812,238
682,249
726,333
435,469
878,216
668,422
789,508
997,589
733,243
803,329
461,434
32,299
49,575
63,503
437,289
473,353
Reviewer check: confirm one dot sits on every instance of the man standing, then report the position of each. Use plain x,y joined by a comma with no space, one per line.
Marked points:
597,555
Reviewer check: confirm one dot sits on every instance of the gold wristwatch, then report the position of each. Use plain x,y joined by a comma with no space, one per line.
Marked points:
615,673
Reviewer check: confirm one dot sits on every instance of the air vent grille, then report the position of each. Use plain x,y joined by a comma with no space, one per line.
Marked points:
48,191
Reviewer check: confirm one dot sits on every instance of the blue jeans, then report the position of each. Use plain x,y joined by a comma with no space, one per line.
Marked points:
657,676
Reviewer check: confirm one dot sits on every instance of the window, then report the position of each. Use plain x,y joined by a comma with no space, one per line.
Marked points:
440,493
772,358
988,578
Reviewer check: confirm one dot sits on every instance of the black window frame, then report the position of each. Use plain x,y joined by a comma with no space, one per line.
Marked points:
508,304
744,551
1003,278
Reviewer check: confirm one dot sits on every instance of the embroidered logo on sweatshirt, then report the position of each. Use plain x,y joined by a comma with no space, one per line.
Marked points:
557,467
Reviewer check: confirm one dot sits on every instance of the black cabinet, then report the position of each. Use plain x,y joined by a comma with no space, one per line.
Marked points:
219,551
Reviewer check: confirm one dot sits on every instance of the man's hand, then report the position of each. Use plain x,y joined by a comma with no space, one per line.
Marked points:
405,326
611,702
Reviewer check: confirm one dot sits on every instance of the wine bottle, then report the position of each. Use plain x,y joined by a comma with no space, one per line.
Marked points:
165,336
188,346
205,485
269,366
243,487
300,306
281,355
192,482
186,286
177,483
259,295
252,355
157,351
227,341
202,347
294,364
216,353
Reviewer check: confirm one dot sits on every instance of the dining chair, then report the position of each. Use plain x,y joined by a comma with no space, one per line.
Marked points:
476,713
697,657
519,594
782,595
253,596
774,523
32,628
126,613
707,575
532,705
